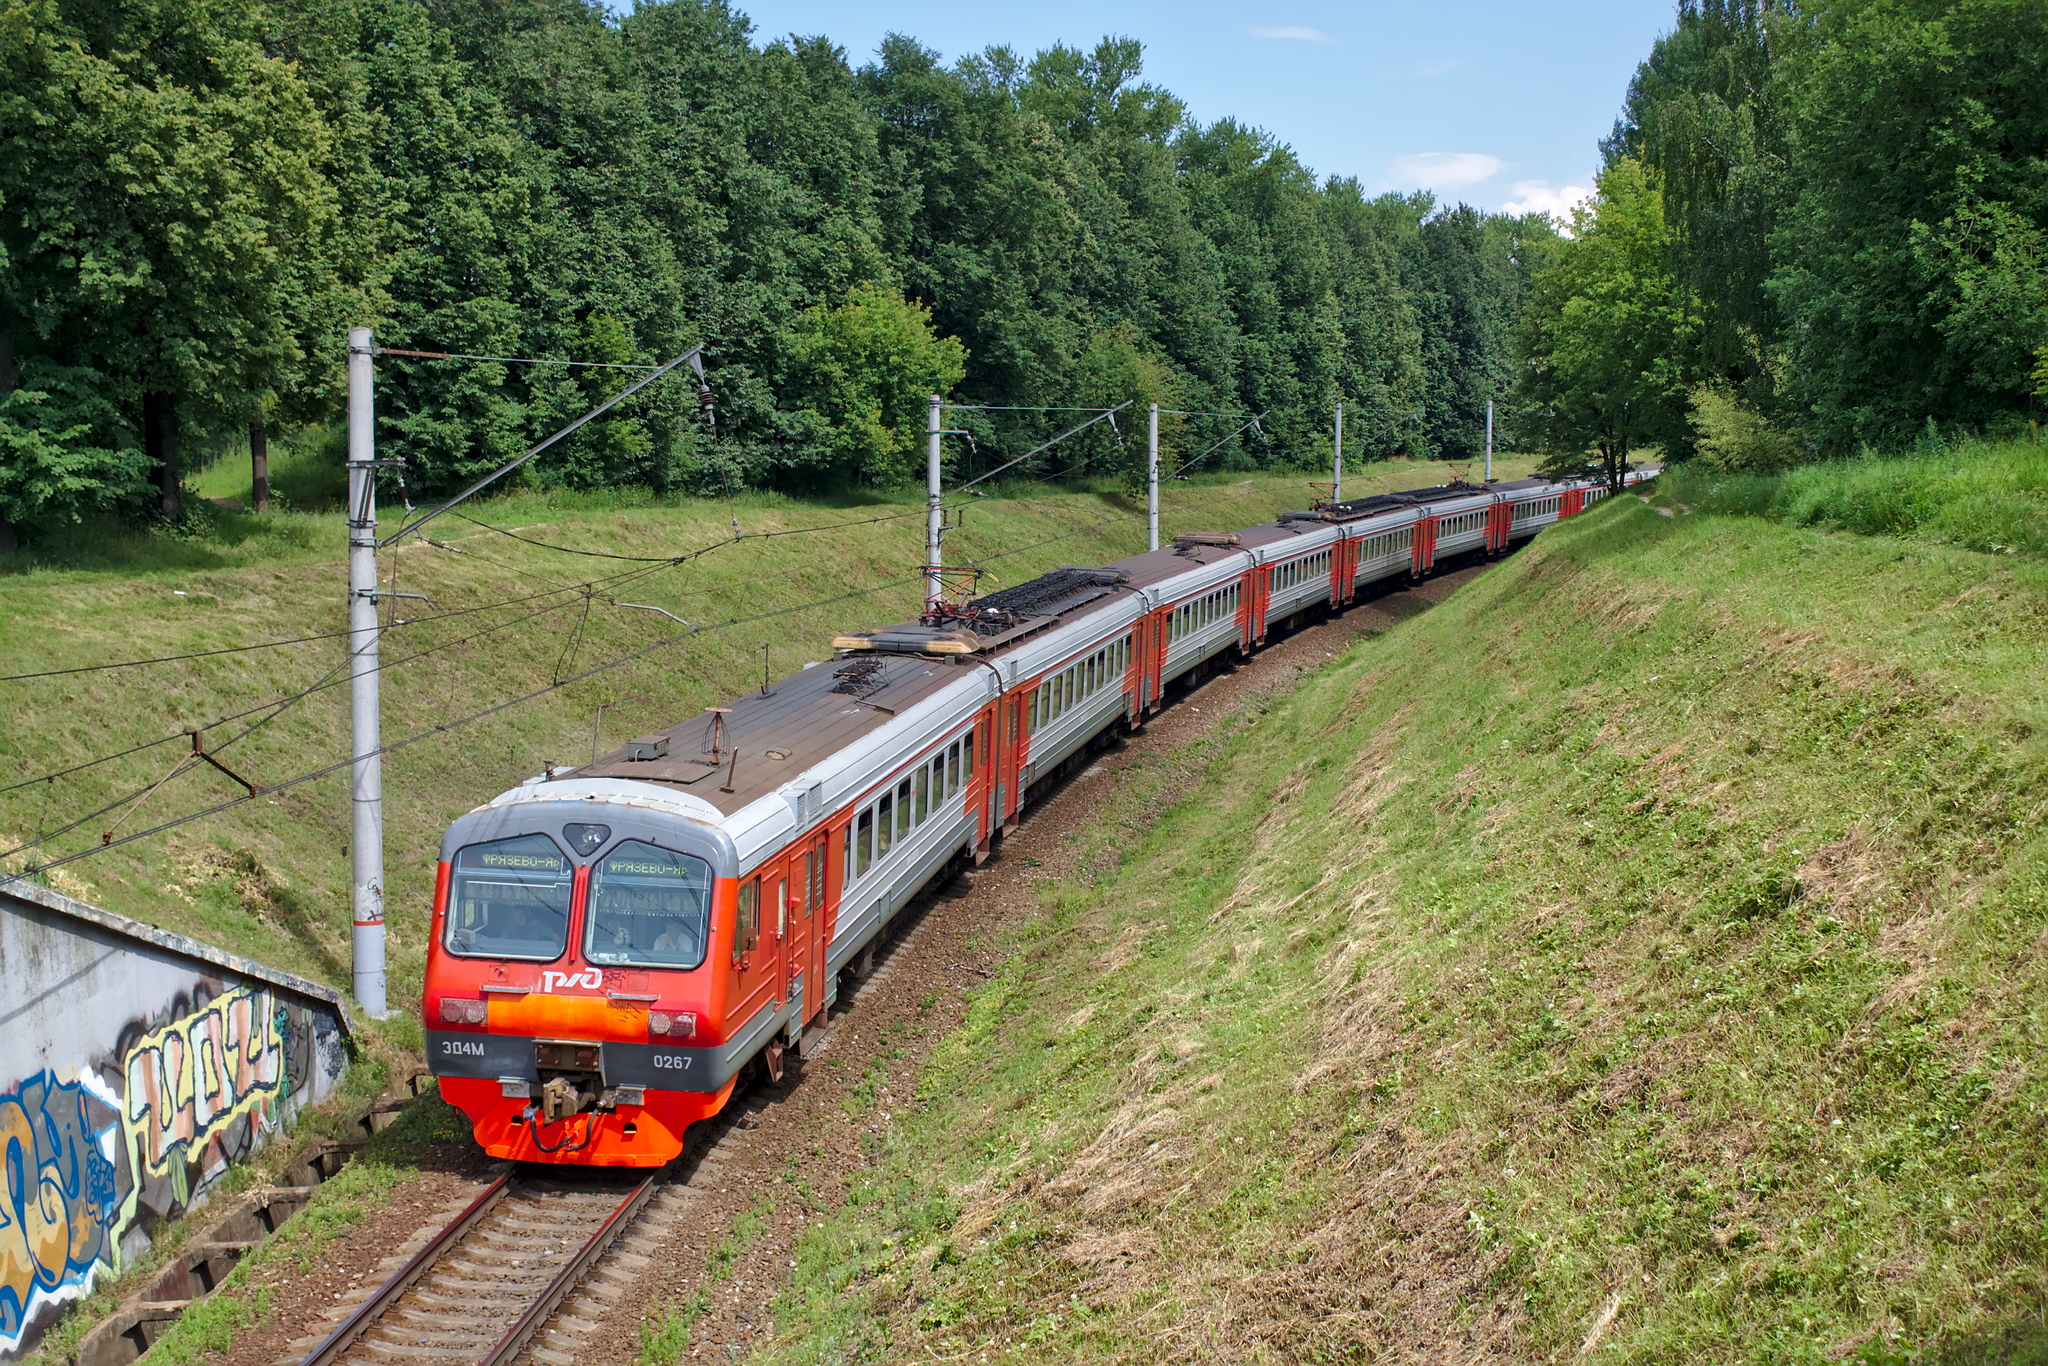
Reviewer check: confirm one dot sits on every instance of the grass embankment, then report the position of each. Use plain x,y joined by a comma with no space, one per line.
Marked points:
1985,496
1640,956
270,878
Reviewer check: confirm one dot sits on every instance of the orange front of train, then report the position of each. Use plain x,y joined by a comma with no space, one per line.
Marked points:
575,1005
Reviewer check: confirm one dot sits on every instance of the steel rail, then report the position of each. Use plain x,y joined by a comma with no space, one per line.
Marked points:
571,1275
344,1336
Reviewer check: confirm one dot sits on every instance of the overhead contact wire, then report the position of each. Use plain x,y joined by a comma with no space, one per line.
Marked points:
440,729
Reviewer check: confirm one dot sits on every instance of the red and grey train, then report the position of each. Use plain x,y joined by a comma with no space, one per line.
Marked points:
613,944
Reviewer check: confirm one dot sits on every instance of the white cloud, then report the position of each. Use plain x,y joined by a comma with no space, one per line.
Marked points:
1294,32
1444,170
1539,196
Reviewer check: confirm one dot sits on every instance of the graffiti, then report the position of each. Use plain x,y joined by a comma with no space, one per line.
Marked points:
60,1220
193,1078
137,1136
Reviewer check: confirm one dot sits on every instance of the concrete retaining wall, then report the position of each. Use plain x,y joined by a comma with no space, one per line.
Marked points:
135,1065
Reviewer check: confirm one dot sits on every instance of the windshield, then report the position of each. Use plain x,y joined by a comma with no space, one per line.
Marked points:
509,899
649,907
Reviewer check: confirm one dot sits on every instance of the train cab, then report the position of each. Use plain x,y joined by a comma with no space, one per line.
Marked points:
573,996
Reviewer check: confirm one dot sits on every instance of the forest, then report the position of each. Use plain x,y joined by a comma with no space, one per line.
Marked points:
200,196
1821,230
1818,231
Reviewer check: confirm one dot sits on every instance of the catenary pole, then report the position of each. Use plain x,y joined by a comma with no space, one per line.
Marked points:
1489,441
1337,470
366,777
1152,480
934,588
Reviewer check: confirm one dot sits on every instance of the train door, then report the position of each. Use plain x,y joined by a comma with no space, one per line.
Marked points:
1340,570
832,844
1245,595
1497,519
1423,546
979,742
804,921
1010,759
755,959
1570,502
1159,635
1262,589
1133,680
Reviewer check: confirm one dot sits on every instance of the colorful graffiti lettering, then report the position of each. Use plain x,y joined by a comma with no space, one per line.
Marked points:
61,1216
188,1081
82,1161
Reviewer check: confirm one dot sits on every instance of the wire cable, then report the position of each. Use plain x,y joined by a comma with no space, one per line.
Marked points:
505,360
324,635
328,681
1073,431
1023,408
564,549
441,729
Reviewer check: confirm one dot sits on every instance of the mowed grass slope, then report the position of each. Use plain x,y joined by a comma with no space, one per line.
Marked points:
270,878
1638,958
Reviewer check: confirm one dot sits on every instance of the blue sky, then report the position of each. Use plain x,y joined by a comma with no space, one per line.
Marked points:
1497,104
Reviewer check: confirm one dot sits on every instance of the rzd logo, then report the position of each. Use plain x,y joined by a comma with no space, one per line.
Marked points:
589,977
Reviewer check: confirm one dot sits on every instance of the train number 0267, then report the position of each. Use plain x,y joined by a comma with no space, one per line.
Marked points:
678,1061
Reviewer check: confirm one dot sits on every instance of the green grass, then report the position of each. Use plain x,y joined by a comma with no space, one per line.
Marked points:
306,472
1638,956
1984,496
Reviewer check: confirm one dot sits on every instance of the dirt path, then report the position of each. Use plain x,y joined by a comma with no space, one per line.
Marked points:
794,1151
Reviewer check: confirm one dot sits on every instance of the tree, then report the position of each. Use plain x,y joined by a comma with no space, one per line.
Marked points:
1706,116
64,448
1600,345
1913,263
162,173
862,370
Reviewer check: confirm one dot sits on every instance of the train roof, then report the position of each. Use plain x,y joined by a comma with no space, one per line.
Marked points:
758,743
765,740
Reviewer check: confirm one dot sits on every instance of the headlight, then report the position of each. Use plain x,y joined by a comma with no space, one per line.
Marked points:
455,1010
678,1024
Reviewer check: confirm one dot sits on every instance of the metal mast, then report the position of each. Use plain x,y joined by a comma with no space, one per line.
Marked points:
1152,481
366,776
1337,470
934,519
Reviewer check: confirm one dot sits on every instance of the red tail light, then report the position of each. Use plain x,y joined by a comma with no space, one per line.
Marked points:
455,1010
679,1024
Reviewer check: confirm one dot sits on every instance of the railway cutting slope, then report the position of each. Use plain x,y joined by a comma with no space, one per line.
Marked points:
1639,957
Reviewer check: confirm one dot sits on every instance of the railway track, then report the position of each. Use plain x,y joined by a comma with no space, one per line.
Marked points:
482,1288
522,1272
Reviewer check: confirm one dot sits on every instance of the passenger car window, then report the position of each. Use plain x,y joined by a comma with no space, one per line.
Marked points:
509,899
649,906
